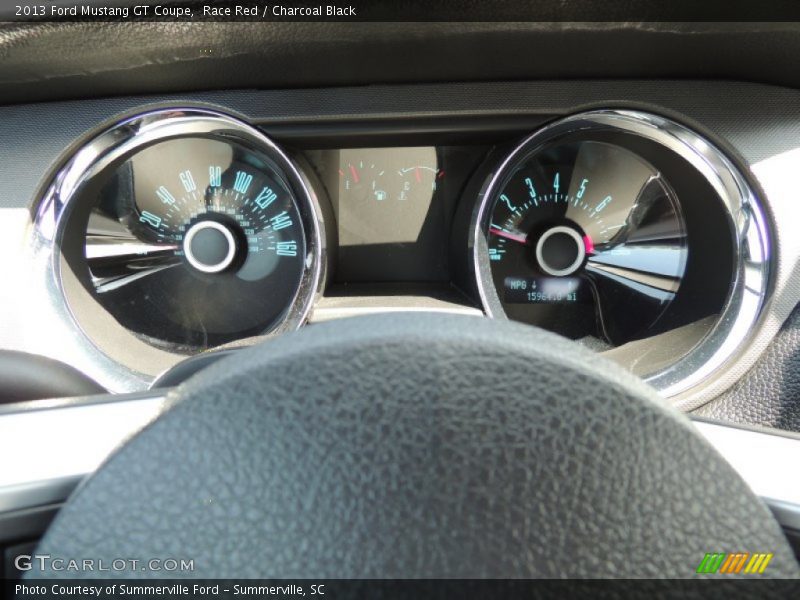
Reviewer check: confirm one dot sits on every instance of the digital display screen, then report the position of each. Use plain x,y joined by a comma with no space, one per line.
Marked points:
394,208
546,290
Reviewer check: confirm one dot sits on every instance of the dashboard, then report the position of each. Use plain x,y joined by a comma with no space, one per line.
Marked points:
176,191
169,228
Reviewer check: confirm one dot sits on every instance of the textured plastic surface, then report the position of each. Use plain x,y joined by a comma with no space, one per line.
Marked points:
417,446
769,394
50,61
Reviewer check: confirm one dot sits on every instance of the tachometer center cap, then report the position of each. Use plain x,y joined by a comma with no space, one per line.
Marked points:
209,246
560,251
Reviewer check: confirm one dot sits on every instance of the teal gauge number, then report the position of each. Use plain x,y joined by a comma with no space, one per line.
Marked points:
196,242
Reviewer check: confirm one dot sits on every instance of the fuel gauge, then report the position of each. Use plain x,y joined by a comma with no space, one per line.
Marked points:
363,180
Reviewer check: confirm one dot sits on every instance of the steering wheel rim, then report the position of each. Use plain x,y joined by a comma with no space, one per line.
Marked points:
416,446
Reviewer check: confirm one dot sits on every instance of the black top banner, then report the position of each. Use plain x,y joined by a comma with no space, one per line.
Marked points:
403,10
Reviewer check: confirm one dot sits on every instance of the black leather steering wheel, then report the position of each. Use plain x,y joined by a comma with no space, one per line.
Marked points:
416,446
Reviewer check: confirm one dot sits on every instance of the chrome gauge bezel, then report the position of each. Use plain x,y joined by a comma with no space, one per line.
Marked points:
748,225
116,144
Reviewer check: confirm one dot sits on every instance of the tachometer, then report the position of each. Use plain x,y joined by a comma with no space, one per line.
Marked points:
584,237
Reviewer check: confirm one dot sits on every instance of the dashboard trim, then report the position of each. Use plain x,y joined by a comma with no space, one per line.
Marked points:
57,446
765,459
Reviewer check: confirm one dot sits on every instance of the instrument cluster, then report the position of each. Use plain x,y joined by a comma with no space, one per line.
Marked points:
181,231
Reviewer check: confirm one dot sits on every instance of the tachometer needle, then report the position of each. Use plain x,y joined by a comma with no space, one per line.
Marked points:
514,237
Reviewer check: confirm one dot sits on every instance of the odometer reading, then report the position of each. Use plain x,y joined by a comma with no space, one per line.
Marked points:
544,290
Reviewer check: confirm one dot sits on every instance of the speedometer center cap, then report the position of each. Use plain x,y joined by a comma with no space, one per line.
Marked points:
209,246
560,251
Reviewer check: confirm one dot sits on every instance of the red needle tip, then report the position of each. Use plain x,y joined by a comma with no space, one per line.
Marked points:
588,244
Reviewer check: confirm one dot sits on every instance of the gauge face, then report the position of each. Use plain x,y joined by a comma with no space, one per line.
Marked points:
584,238
195,242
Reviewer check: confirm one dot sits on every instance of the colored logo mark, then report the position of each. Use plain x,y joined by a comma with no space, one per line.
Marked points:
734,563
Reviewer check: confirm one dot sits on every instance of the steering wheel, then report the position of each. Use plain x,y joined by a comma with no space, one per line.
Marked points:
416,446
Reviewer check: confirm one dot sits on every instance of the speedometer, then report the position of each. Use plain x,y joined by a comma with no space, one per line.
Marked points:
196,242
197,231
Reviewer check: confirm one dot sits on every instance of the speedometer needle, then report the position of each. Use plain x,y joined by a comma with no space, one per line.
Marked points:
514,237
